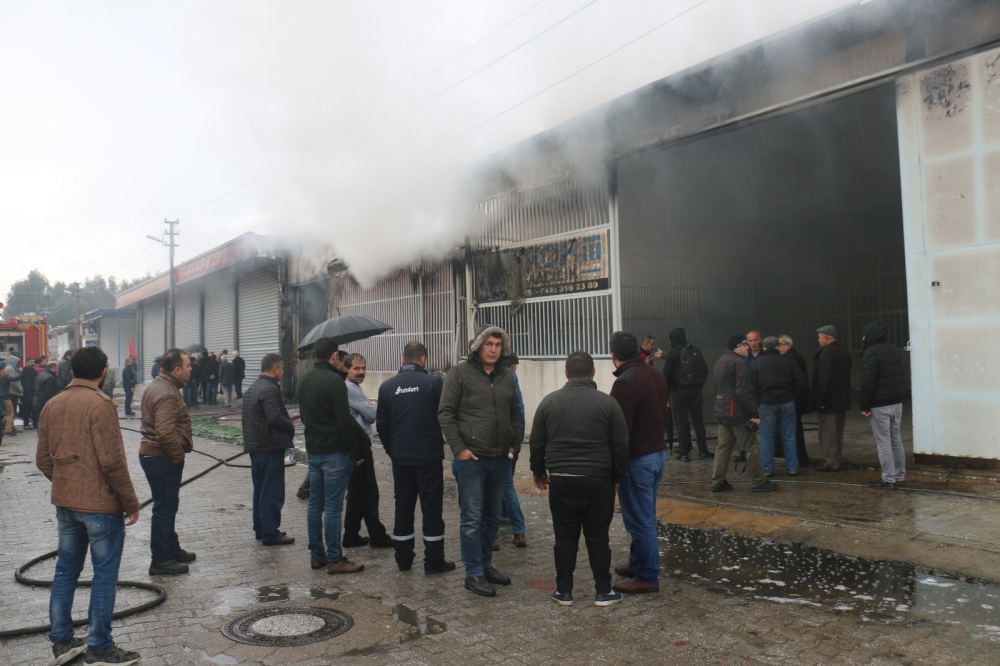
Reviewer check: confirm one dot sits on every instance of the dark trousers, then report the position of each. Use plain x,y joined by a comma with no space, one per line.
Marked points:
268,473
582,502
362,503
238,385
426,482
128,401
686,405
164,479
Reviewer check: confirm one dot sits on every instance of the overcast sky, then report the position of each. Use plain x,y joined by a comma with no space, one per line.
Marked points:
303,115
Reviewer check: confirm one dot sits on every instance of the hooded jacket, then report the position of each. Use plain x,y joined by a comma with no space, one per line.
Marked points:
642,393
480,411
672,361
883,377
14,376
735,398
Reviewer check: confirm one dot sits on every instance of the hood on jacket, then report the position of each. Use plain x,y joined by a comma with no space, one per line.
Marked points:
875,331
485,332
14,360
677,338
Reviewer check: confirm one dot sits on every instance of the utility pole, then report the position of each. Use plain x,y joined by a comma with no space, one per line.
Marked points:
79,327
169,239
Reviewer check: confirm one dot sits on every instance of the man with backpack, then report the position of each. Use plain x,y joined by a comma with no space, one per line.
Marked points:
686,371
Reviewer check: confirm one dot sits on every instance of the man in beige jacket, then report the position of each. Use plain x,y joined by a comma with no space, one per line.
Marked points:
80,450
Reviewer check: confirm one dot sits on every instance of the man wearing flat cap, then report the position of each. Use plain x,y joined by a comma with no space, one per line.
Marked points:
831,395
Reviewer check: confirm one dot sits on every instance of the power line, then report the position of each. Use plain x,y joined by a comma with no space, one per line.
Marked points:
566,78
520,46
204,215
222,196
462,53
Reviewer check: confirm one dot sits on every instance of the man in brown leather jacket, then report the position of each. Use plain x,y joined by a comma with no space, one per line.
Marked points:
166,437
80,450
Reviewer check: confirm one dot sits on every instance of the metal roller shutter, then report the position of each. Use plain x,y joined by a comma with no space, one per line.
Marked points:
154,341
188,319
220,313
259,317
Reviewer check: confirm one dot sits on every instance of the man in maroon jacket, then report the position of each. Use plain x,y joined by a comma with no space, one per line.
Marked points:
642,393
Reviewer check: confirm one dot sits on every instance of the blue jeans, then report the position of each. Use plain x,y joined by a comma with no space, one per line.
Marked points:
267,470
105,534
329,474
637,499
481,485
512,503
164,479
780,418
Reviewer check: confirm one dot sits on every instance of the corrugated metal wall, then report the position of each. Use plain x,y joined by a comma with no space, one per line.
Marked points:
153,335
220,312
418,301
187,322
554,328
782,226
113,336
259,316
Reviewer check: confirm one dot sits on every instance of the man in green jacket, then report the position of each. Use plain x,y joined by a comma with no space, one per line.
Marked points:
481,420
334,445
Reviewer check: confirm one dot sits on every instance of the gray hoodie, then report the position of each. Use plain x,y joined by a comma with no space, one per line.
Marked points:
14,375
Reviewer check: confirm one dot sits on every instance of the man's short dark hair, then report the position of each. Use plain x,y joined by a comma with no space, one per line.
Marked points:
352,359
414,351
89,363
648,338
172,359
325,348
342,355
270,362
579,365
624,346
68,355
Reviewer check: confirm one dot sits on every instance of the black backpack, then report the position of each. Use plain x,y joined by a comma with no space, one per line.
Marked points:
693,370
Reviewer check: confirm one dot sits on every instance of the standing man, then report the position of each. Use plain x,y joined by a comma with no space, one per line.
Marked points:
12,392
267,434
157,364
408,428
510,508
787,348
778,382
334,446
110,379
831,396
481,421
227,378
46,387
579,450
686,371
28,394
93,494
129,381
753,345
883,387
65,374
736,414
642,393
210,378
362,491
193,382
240,373
648,349
166,438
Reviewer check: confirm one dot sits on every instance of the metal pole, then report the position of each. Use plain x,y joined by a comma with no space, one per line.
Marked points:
171,309
79,328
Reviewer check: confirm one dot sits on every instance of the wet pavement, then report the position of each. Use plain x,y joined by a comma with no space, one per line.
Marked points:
747,579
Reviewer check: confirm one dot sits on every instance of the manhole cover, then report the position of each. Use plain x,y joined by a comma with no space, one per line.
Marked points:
287,627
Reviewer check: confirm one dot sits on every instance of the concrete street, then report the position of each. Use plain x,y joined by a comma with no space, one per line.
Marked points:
742,583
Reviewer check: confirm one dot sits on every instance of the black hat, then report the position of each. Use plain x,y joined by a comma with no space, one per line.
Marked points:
734,340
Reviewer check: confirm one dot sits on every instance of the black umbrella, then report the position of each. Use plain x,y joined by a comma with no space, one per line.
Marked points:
344,329
196,349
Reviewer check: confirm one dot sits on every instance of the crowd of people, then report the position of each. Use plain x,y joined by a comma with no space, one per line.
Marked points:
211,377
586,449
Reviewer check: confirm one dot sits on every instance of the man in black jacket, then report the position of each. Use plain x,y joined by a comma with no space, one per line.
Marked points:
736,414
46,386
686,371
240,370
335,444
831,396
129,380
579,450
883,387
777,382
406,420
210,378
28,394
267,433
787,348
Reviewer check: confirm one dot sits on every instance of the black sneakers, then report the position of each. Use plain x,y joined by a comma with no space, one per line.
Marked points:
67,651
113,657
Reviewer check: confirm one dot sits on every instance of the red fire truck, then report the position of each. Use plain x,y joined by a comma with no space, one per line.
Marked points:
26,336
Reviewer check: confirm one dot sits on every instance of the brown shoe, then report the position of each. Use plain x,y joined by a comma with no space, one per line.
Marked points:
625,571
633,586
317,562
344,566
496,544
519,541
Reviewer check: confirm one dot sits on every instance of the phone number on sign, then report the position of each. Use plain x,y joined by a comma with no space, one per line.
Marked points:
572,287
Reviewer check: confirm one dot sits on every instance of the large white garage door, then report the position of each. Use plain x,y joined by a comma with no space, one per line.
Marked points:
259,317
154,341
220,313
188,319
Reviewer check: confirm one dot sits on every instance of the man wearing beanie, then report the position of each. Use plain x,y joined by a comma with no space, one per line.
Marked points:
735,408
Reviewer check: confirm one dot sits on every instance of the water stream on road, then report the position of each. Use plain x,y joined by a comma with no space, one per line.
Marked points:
796,574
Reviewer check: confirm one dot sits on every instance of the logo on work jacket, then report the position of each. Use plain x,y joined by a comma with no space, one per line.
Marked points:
412,389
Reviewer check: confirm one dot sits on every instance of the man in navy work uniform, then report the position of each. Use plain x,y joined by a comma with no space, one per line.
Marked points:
407,424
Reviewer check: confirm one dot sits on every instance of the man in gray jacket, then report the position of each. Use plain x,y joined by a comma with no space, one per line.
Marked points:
579,450
481,420
14,392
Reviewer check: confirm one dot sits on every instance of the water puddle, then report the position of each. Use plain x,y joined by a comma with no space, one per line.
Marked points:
797,574
217,659
425,625
237,597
